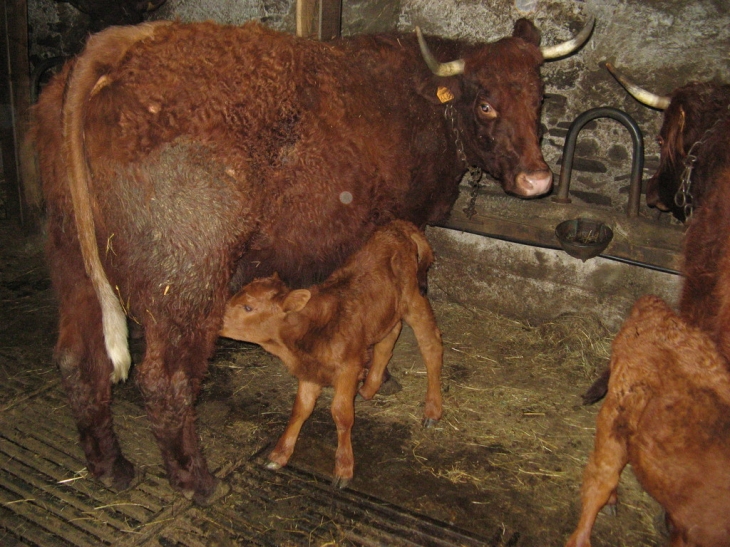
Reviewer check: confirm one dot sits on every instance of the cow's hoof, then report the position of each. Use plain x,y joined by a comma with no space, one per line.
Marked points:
341,482
391,386
429,422
123,477
272,466
208,496
220,489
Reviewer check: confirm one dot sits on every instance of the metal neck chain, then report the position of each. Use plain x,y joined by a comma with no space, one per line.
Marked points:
475,173
683,198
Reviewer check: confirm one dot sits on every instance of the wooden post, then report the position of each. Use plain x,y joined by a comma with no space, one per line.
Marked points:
330,19
24,196
320,19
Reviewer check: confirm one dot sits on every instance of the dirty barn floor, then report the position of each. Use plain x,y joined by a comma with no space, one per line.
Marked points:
502,468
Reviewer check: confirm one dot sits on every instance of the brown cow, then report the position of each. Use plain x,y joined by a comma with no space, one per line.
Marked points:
693,181
188,152
335,333
667,413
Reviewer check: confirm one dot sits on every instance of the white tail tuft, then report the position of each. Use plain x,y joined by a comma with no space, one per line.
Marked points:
114,322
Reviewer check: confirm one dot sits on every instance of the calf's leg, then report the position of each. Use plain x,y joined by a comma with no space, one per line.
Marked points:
382,352
421,319
601,475
343,413
307,395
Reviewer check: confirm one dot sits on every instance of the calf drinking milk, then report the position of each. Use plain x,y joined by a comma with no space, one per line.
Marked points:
343,331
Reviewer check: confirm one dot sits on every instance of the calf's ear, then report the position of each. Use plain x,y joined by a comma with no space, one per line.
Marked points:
296,300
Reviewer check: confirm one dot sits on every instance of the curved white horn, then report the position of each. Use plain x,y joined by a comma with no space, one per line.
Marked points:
648,98
452,68
561,50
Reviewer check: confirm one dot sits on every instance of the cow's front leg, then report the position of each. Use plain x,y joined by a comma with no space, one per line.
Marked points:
343,413
307,395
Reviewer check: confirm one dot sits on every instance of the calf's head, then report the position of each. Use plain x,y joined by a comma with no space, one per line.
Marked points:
493,97
258,311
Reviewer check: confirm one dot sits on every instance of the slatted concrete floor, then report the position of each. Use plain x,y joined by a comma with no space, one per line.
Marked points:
46,499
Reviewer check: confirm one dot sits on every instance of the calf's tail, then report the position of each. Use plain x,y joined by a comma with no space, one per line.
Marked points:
103,52
425,259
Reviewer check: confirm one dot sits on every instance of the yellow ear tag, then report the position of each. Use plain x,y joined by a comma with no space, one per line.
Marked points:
444,95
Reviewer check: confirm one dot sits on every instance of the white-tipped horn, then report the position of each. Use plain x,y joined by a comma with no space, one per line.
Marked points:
648,98
561,50
452,68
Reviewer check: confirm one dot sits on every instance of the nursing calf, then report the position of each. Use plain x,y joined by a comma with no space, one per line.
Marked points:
667,413
343,331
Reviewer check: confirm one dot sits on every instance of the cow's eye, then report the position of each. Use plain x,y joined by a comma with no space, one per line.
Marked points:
246,307
486,110
660,141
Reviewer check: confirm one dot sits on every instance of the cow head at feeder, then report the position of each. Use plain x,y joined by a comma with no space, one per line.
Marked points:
493,96
695,120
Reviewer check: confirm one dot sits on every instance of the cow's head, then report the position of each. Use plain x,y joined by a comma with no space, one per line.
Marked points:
495,95
688,114
259,310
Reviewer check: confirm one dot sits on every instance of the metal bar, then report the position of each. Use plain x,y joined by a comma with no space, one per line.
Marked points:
637,163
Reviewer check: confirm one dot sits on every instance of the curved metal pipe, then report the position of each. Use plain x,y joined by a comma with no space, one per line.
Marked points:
637,163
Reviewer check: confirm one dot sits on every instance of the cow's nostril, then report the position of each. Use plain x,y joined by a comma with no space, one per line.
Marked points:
534,183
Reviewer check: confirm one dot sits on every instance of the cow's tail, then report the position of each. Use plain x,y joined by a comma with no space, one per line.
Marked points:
103,51
425,259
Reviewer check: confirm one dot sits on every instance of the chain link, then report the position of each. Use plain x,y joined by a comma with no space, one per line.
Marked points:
683,198
475,173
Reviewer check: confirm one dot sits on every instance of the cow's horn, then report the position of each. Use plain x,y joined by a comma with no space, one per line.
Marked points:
453,68
642,95
561,50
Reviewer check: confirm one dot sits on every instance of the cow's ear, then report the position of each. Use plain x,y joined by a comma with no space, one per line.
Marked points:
296,300
527,31
441,90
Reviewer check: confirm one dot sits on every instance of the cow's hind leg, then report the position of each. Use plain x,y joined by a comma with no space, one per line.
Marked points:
421,319
169,378
382,352
85,373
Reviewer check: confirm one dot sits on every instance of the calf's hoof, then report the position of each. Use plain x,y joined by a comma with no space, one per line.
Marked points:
429,422
662,524
390,386
123,476
610,509
341,482
272,465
